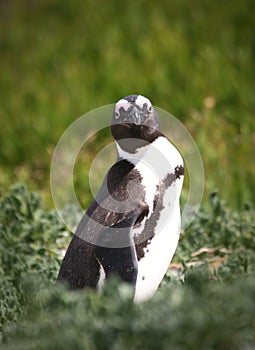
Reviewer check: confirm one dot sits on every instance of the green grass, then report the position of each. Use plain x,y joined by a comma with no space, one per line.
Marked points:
205,301
59,60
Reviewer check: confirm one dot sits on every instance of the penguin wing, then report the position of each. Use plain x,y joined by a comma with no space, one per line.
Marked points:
79,268
103,237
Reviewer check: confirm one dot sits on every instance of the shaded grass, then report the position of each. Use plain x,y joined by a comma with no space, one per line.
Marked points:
204,306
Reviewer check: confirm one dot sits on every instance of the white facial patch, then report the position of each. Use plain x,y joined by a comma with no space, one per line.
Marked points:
122,104
141,100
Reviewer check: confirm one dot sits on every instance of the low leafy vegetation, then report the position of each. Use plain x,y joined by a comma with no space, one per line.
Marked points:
208,302
29,239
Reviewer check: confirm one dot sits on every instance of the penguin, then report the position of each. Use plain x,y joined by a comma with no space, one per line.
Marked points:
132,227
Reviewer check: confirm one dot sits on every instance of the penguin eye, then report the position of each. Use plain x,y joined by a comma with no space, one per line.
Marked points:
116,115
150,109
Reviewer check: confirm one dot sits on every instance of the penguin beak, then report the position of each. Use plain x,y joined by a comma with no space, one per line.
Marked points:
137,115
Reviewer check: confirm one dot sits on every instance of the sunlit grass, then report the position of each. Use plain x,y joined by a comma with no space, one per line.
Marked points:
60,61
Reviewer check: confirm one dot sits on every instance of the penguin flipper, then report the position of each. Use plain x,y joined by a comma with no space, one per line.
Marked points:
116,252
79,268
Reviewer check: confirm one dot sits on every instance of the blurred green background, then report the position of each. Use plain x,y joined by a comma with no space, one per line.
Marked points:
60,59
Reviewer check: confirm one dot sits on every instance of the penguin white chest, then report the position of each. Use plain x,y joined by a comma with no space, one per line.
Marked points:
161,228
159,250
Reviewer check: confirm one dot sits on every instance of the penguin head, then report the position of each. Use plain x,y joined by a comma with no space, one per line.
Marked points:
134,117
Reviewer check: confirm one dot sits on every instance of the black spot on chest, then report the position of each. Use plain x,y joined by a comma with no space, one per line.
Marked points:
179,171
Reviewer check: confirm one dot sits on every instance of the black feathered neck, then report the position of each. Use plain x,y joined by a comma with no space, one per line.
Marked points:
131,137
